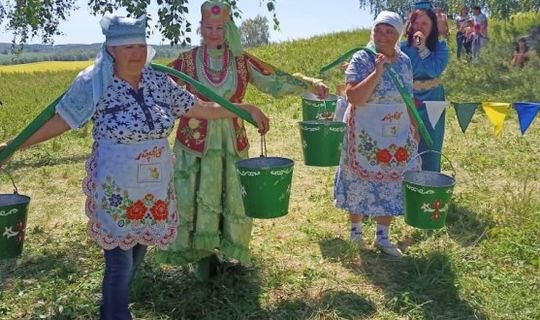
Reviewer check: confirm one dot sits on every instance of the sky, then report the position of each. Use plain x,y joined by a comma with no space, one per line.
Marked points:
298,19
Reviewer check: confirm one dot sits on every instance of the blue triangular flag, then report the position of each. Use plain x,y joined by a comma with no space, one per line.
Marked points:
526,111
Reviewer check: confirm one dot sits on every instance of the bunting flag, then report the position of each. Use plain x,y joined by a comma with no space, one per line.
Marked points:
464,112
434,110
527,112
496,113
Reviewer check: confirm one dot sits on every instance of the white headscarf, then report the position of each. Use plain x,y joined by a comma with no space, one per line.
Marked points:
390,18
79,103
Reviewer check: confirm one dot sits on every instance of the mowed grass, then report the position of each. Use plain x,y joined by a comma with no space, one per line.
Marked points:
45,66
483,265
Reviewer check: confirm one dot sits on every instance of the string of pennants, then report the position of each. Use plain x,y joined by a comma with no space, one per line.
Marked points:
495,111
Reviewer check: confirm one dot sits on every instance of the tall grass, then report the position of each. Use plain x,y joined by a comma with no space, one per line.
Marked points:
483,265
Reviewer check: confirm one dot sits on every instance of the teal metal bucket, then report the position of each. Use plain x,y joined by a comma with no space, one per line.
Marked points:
427,196
321,142
314,108
266,186
13,214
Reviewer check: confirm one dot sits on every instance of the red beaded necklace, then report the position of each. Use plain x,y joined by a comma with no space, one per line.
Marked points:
216,77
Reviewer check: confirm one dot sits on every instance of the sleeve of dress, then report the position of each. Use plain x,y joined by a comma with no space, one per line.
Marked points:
360,66
180,99
410,77
77,105
434,63
276,82
177,65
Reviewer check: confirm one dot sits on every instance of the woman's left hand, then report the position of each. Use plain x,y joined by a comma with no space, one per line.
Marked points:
263,123
321,90
2,147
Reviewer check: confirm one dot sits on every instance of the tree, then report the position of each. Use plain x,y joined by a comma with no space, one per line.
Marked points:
501,9
28,19
255,31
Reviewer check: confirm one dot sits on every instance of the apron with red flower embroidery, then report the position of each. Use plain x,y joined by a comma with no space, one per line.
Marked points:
130,195
381,141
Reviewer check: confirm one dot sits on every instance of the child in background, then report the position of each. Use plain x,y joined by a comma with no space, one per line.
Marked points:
521,53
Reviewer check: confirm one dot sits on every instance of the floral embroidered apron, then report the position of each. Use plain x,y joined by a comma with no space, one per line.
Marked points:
381,141
130,195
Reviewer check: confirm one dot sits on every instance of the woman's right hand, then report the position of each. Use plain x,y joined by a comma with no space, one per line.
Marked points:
419,39
380,61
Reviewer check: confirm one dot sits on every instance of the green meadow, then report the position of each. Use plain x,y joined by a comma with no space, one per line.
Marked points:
485,264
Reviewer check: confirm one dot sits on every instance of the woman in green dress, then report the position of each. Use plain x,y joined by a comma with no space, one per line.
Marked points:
211,212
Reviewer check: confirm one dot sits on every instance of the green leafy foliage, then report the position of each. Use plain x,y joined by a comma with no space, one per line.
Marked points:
255,32
41,19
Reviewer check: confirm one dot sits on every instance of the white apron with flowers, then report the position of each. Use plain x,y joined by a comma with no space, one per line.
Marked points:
130,195
379,143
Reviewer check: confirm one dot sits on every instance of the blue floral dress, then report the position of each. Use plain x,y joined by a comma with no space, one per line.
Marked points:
129,183
379,142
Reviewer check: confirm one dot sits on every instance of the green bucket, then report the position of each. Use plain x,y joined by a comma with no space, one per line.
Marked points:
266,186
314,108
13,213
321,142
427,196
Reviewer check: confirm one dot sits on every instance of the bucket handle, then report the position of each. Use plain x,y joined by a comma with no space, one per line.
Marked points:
15,190
263,146
324,108
434,151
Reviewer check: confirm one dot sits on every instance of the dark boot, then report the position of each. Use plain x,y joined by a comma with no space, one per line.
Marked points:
207,268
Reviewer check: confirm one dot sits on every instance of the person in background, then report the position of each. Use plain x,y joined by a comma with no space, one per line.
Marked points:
429,59
130,200
442,23
468,41
213,226
476,39
520,56
461,23
380,138
481,20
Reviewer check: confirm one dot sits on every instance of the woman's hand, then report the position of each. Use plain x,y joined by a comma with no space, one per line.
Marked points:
419,40
263,123
2,147
380,61
321,90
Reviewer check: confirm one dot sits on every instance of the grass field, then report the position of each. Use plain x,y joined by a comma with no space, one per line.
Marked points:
485,264
48,66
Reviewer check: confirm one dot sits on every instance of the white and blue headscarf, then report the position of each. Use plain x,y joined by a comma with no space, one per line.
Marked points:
390,18
79,103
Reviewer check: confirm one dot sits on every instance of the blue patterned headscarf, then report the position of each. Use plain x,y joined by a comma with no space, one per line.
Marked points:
79,103
423,4
120,31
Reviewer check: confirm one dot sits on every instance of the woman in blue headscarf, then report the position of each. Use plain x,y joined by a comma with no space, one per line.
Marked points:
129,184
429,58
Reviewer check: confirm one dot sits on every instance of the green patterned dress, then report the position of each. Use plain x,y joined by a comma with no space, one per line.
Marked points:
210,208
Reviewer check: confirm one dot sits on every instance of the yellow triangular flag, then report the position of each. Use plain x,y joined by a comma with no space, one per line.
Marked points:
496,113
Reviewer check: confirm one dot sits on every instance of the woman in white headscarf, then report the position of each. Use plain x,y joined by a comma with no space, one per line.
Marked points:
380,138
129,184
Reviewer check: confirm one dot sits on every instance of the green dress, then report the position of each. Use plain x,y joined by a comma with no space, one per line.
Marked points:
209,202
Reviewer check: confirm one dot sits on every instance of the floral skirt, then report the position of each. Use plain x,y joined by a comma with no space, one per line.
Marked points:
367,197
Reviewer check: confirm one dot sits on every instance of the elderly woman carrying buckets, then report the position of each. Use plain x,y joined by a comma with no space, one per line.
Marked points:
380,138
129,184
